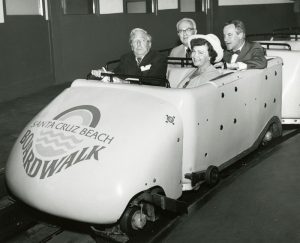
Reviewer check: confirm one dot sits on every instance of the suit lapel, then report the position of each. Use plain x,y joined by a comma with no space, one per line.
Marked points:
182,54
132,66
146,59
244,52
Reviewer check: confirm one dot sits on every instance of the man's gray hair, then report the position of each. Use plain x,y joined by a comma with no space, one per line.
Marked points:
187,20
135,30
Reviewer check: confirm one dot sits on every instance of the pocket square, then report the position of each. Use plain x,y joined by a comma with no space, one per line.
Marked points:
145,68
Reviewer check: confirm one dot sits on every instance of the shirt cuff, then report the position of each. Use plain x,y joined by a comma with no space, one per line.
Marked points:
242,66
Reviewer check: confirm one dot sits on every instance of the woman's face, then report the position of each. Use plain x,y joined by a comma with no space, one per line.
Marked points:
200,55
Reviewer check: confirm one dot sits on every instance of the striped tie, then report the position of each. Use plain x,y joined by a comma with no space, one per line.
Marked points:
139,60
188,53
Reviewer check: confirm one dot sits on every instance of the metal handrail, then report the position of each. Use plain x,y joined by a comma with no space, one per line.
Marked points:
268,44
182,61
278,35
136,79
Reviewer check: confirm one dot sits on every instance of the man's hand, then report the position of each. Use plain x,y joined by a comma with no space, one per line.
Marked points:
96,73
237,66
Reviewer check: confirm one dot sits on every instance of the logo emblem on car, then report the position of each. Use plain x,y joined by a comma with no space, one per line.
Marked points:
170,119
57,142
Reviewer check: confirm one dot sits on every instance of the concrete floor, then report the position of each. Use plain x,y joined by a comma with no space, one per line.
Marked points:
260,205
14,115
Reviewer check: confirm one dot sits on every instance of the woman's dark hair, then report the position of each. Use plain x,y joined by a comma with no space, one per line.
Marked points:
211,52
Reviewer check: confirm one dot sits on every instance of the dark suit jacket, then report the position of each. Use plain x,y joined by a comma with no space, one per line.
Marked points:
154,62
252,54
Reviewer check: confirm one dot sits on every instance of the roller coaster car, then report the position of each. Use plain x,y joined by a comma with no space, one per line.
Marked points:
285,43
116,154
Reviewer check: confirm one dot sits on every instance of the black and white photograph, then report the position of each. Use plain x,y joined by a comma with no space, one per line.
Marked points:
149,121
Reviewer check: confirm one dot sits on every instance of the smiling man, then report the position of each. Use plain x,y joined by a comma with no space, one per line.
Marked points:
241,54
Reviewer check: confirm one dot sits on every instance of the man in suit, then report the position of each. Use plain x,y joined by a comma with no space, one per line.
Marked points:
241,54
141,61
186,27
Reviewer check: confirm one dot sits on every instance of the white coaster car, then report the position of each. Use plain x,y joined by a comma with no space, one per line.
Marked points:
288,48
112,153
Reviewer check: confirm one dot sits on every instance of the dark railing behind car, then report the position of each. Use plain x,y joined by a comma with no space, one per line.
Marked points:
287,29
183,62
268,44
283,34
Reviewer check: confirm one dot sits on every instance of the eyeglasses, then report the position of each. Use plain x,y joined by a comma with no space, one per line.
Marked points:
188,31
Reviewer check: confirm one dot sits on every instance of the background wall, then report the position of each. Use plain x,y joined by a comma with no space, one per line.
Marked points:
85,42
260,18
36,53
25,62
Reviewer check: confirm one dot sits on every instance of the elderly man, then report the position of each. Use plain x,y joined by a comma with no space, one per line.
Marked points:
185,28
142,61
241,54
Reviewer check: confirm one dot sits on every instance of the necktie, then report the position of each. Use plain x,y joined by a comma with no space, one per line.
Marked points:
188,53
138,60
235,52
234,55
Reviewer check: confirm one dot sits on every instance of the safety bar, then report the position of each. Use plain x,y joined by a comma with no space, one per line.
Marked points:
134,79
184,62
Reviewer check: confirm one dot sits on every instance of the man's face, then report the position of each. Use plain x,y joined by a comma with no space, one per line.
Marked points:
200,56
184,31
232,39
140,44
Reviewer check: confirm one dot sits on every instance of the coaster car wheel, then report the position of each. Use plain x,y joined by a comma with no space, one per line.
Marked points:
132,220
274,130
212,175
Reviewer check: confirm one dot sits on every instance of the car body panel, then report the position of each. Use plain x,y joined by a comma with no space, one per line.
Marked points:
98,145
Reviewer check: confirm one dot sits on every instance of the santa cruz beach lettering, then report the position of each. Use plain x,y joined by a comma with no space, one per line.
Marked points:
65,127
50,147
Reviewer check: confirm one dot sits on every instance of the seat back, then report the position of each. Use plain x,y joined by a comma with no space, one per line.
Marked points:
176,75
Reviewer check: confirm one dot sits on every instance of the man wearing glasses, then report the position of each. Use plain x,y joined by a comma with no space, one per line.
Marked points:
185,28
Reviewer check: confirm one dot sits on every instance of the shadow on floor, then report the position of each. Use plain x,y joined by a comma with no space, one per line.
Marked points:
14,116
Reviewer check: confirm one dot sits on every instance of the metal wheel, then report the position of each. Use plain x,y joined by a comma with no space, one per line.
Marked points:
212,175
274,130
132,220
